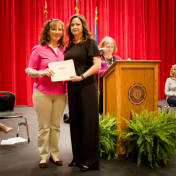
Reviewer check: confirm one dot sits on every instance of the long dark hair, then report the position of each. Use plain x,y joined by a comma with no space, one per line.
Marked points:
44,34
86,32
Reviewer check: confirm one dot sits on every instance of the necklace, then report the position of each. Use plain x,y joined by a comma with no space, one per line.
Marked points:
108,61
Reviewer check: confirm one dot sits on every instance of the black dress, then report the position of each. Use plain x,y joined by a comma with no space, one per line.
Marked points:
83,106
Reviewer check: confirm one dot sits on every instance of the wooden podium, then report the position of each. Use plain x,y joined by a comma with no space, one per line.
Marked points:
130,85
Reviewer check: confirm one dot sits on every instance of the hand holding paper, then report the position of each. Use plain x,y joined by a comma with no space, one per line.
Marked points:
63,70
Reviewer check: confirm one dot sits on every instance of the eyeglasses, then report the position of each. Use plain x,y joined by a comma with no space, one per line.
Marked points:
109,47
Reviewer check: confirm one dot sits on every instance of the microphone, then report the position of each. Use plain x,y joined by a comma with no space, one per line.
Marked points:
102,49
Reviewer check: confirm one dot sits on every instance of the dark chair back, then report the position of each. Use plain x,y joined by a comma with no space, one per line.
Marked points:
7,100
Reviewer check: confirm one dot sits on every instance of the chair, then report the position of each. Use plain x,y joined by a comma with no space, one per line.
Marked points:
166,107
66,118
7,100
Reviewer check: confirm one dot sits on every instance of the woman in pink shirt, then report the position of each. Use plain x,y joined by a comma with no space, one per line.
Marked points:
49,98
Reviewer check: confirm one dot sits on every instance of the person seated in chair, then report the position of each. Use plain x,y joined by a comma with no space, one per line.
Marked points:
170,87
4,128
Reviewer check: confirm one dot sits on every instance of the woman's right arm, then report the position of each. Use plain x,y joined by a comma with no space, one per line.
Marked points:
34,64
35,73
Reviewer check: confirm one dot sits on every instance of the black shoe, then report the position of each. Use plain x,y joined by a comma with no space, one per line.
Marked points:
66,118
72,164
84,168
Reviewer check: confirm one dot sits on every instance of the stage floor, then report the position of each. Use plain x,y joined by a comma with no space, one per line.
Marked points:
22,159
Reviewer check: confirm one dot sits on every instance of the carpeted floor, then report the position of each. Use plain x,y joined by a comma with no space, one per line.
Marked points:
22,159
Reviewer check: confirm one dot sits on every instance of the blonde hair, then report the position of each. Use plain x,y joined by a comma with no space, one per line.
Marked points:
44,34
171,71
107,40
86,32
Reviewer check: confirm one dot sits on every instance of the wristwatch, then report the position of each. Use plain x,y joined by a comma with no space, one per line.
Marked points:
82,76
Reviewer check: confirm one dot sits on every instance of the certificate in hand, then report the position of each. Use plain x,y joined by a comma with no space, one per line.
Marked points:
63,70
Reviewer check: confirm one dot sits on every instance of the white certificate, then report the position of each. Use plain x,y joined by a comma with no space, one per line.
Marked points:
63,70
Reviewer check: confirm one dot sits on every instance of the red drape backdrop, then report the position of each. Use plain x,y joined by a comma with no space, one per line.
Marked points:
142,29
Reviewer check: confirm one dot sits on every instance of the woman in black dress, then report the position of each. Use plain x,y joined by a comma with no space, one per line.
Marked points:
83,94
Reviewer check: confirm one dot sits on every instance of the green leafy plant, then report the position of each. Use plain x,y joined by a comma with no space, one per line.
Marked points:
151,138
108,136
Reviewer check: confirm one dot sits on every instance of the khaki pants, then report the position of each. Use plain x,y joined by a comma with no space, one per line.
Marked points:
49,109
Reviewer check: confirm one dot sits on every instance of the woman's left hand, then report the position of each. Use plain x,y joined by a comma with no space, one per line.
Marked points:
75,78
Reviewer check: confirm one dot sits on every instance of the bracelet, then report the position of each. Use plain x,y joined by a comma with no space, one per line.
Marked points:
82,77
40,74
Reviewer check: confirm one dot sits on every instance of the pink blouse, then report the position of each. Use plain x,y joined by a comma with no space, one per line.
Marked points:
104,67
41,56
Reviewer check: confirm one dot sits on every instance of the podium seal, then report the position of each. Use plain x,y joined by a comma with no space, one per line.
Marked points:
137,94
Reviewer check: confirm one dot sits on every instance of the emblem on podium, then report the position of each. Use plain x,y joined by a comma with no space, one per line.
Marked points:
137,94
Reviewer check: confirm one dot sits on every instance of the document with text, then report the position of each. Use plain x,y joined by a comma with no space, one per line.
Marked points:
63,70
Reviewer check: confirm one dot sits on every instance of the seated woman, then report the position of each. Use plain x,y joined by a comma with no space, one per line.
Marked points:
107,58
4,128
170,87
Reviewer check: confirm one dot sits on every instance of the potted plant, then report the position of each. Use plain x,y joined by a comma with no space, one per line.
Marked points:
108,136
151,138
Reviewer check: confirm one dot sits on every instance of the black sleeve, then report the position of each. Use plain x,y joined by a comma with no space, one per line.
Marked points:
93,49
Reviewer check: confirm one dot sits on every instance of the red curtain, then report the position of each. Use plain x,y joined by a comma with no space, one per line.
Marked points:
142,29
